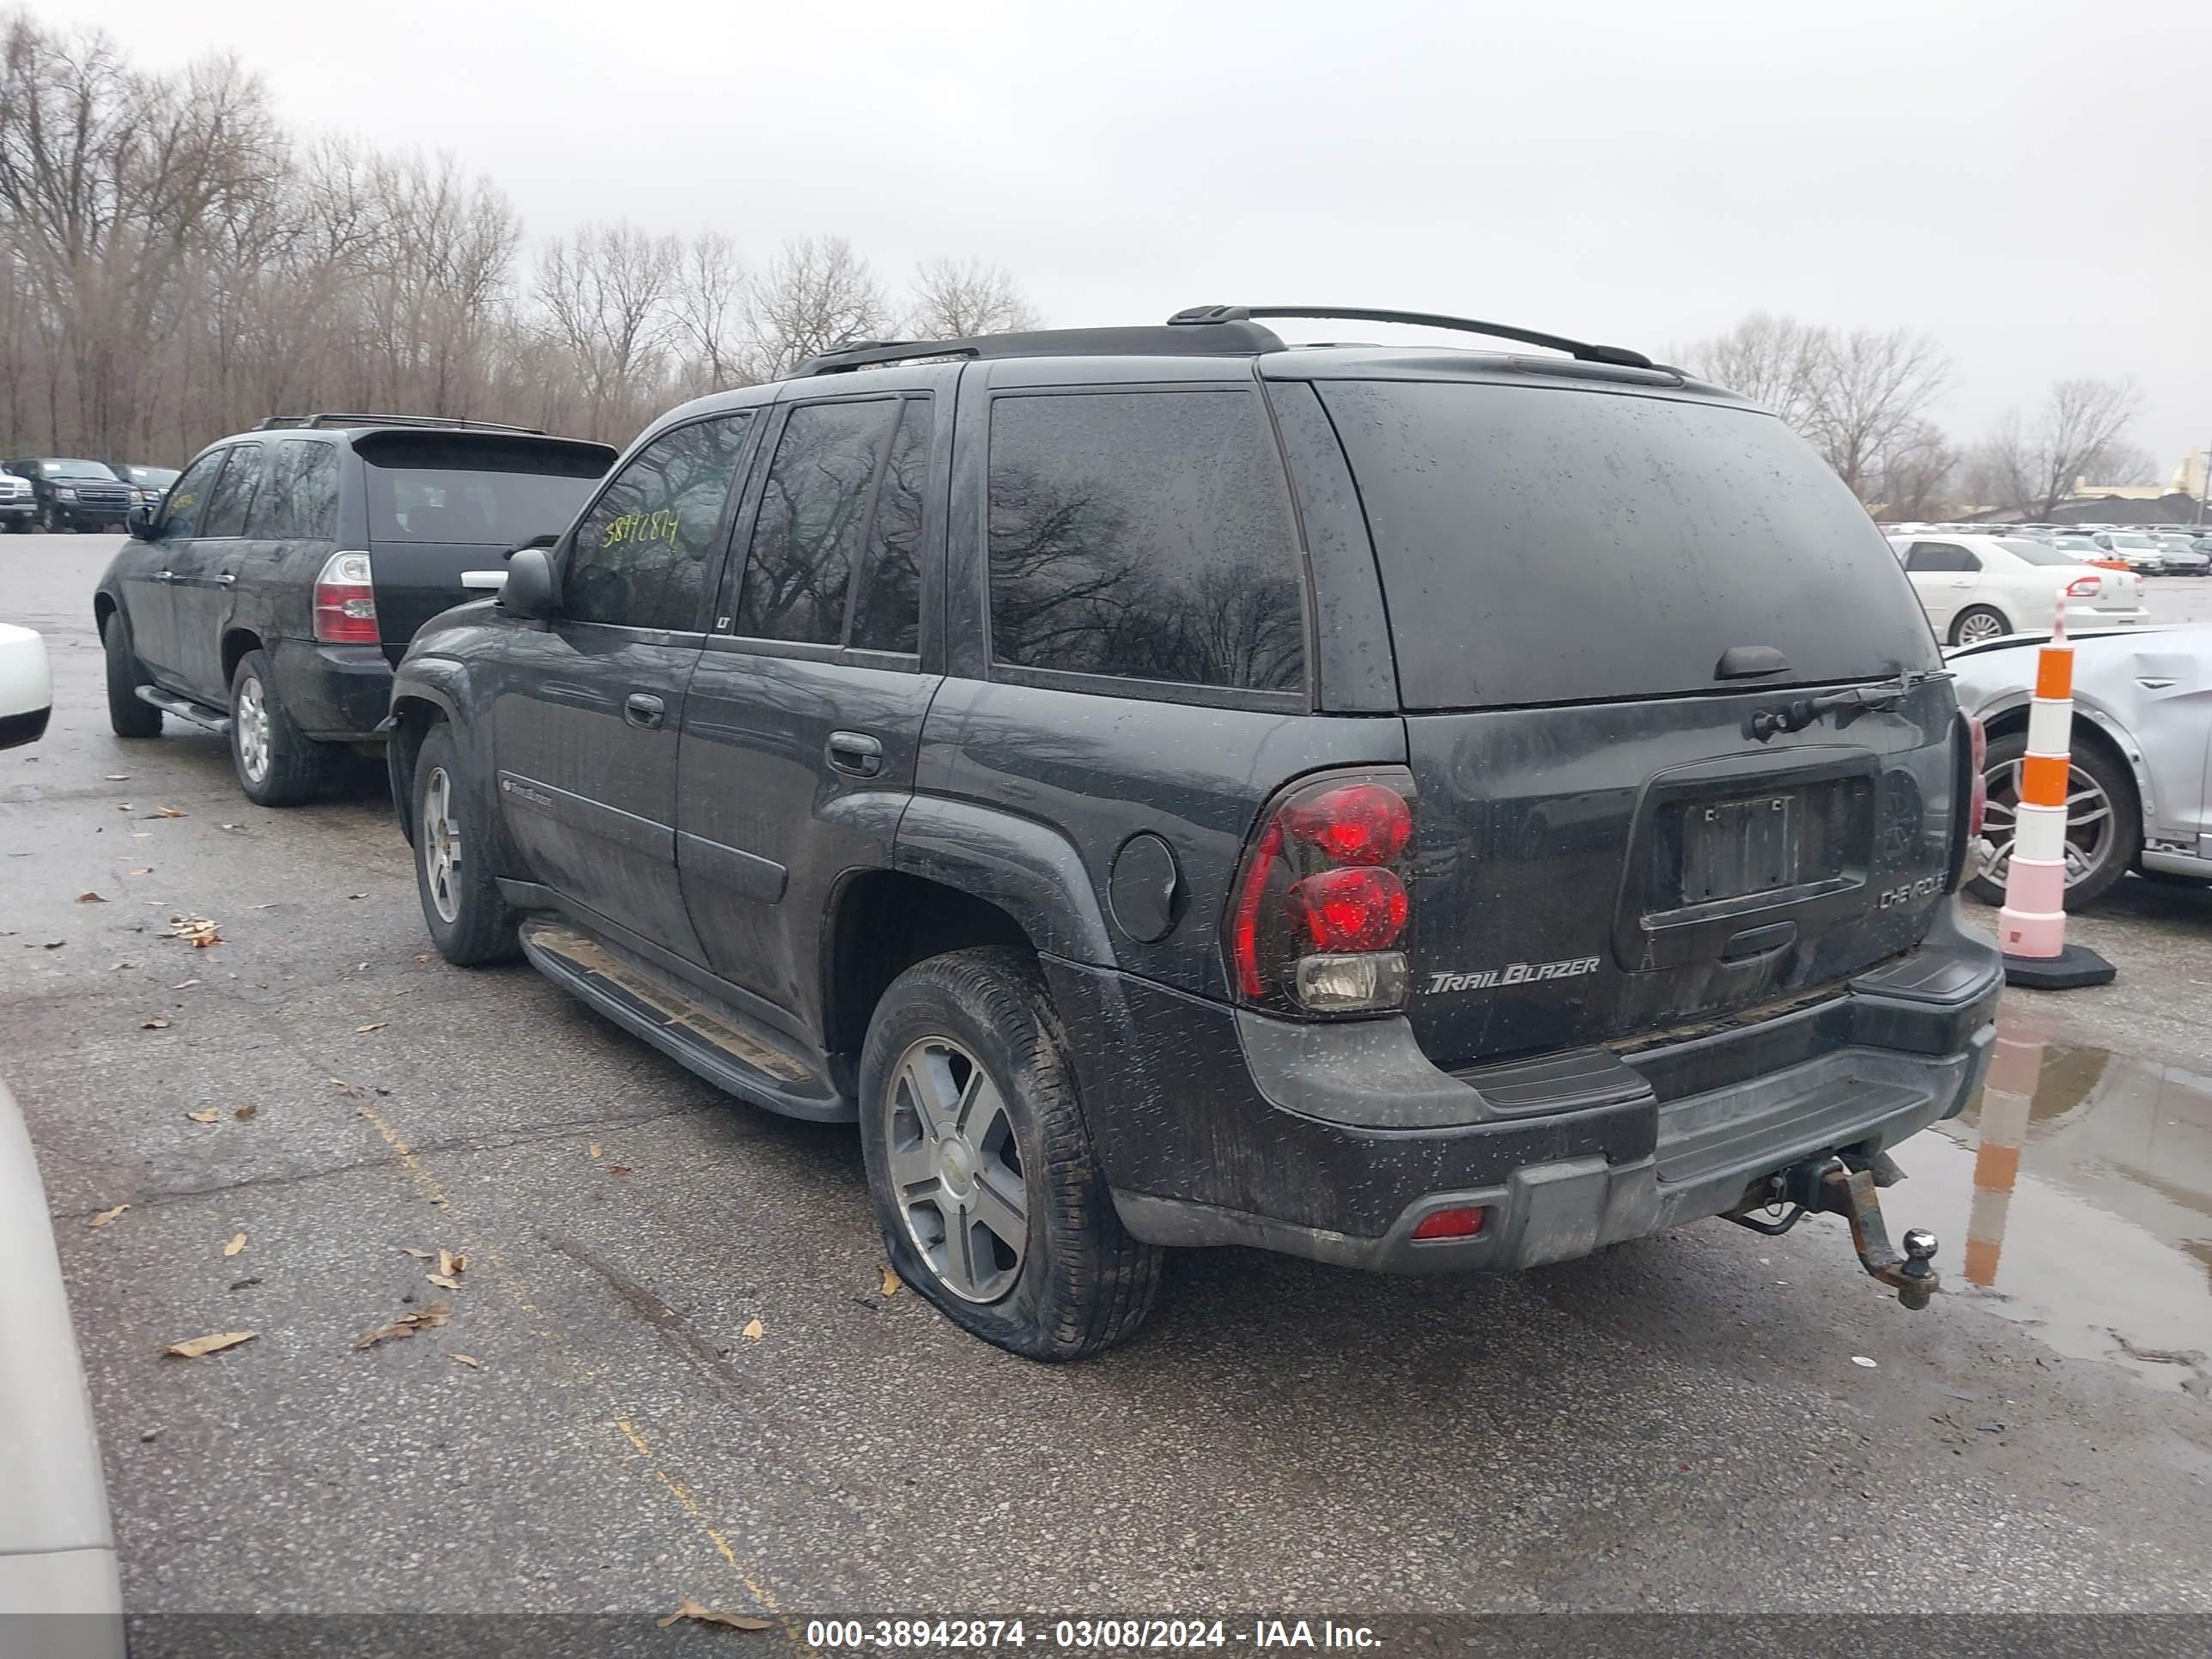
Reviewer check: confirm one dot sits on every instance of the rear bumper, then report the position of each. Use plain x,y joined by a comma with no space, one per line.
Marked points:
1332,1142
335,693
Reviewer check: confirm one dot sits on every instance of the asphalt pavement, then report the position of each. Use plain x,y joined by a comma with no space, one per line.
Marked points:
669,1370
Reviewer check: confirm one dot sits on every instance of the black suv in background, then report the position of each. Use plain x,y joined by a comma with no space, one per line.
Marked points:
1414,809
286,567
69,495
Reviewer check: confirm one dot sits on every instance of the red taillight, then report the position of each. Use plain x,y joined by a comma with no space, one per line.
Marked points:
1357,824
2085,587
345,601
1449,1224
1358,909
1319,907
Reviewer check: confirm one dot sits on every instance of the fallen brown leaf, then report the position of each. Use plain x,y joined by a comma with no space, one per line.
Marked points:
419,1256
208,1116
891,1282
169,813
617,1169
106,1215
363,1030
90,899
423,957
449,1263
597,1149
245,1113
444,1281
752,1332
350,1090
147,872
237,1243
198,930
206,1345
407,1324
706,1615
159,1023
468,1360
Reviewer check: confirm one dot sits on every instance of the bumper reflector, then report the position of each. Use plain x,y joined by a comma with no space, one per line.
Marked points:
1464,1222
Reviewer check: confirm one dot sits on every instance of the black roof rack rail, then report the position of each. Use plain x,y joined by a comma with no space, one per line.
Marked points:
1223,316
276,423
1237,338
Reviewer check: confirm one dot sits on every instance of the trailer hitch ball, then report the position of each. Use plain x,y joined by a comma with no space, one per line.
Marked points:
1918,1271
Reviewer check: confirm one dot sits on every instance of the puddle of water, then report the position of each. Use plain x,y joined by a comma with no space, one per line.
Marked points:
2075,1196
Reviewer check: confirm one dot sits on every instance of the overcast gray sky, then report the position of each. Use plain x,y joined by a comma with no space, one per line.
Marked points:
2028,180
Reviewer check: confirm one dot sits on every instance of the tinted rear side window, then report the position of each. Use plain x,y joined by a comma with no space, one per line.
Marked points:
300,501
1144,534
1541,544
813,516
486,491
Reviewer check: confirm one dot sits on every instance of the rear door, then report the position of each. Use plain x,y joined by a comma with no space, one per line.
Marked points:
1944,576
441,503
203,572
1595,595
587,710
805,712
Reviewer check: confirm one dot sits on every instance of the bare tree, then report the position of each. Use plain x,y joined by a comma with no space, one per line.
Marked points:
817,295
2121,463
605,291
706,302
2038,466
952,300
1871,390
1917,471
1778,361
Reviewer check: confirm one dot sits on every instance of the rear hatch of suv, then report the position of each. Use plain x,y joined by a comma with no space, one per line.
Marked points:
441,503
1608,601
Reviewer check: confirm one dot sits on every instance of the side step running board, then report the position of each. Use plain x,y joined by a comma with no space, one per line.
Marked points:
711,1042
183,710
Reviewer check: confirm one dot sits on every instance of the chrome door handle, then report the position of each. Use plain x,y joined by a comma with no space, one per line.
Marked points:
639,709
226,579
165,577
855,754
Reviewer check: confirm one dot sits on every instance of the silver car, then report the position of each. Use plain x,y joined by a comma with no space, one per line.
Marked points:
2137,797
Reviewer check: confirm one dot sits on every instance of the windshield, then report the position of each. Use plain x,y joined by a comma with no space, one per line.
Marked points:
484,491
2075,544
1546,544
2133,541
76,470
151,477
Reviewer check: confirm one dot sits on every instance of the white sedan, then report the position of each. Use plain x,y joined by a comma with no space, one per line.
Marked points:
1983,587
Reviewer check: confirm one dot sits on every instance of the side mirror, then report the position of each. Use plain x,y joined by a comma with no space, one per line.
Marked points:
139,521
547,539
530,589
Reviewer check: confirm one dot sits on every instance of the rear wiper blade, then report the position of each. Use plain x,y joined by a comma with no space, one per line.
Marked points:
1853,700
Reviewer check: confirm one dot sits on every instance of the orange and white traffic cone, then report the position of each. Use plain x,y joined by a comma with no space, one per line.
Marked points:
2031,925
2007,1097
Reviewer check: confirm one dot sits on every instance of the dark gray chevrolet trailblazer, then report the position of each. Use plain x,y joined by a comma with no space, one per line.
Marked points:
1421,810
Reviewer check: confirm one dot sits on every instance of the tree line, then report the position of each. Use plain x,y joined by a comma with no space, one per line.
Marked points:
175,265
1863,397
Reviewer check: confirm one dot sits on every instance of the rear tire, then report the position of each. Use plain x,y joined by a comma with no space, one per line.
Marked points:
2107,854
1978,623
968,1045
127,716
276,763
470,923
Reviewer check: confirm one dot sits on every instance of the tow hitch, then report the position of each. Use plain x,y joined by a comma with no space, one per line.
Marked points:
1829,1185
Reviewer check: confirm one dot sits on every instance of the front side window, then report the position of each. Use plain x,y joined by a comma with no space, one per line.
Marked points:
187,498
639,557
813,522
231,497
1144,535
300,502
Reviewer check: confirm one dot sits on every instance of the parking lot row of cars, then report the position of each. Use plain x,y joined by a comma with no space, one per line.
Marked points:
56,494
2159,549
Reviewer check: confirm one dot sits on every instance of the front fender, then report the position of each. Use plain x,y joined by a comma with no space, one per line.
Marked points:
427,688
2090,707
1032,872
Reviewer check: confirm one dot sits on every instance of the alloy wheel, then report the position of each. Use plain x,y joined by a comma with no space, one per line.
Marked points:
1980,627
441,844
2089,821
250,721
956,1170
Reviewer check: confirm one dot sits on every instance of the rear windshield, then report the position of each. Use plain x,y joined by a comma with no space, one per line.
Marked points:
1541,545
493,492
2030,552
